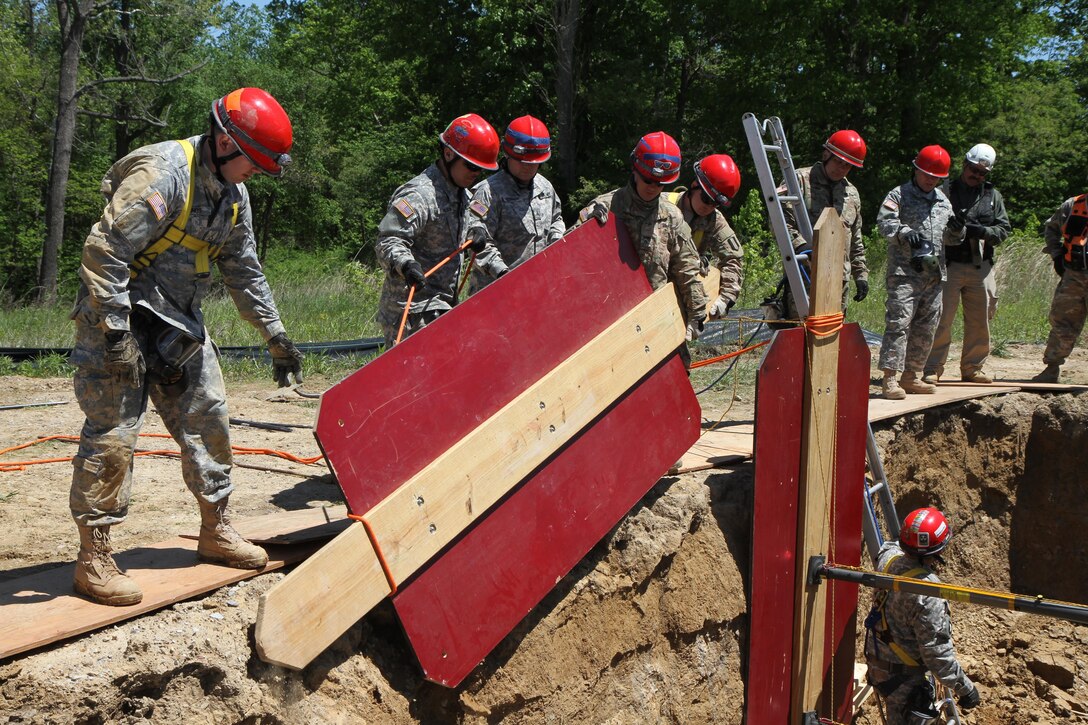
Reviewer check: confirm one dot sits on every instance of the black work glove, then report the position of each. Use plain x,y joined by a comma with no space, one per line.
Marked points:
413,274
913,237
1059,265
286,360
976,231
478,245
969,699
955,224
704,266
124,359
862,286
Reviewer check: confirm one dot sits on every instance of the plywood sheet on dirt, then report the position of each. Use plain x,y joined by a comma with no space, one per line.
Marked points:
291,527
719,447
42,608
881,409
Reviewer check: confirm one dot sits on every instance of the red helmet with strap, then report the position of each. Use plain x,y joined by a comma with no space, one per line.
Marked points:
657,158
847,145
258,125
934,161
925,532
719,177
527,139
473,139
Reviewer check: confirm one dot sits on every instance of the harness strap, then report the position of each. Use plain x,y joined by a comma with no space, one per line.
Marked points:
176,234
881,630
1075,233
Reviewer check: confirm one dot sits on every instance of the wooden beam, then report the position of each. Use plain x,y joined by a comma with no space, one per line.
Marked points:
316,603
818,446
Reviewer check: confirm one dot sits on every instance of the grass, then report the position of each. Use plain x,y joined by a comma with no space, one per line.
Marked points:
322,297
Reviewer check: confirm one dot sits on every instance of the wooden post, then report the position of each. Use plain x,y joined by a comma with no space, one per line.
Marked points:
818,444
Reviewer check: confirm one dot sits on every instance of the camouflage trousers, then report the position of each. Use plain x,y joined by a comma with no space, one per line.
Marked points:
976,287
911,314
906,693
195,416
1067,312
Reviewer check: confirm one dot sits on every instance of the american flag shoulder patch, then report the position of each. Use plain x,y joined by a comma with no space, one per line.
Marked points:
158,205
583,215
891,204
406,210
478,208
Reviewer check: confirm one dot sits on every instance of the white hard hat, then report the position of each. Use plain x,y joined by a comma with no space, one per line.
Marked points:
982,154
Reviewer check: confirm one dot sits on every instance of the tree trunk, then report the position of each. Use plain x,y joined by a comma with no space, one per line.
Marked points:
565,16
72,17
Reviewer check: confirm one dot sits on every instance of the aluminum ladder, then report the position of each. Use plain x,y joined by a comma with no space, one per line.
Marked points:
766,138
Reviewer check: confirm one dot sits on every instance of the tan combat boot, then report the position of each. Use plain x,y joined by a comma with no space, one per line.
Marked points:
931,378
911,383
977,377
97,576
219,543
890,388
1049,375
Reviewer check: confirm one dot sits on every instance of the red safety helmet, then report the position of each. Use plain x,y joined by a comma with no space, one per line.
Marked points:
934,161
527,139
258,125
719,177
925,532
847,145
657,157
473,139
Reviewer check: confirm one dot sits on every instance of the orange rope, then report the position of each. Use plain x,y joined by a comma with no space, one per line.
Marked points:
428,273
378,552
824,325
404,317
712,360
14,466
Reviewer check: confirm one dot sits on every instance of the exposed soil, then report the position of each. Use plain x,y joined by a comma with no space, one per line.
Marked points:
649,627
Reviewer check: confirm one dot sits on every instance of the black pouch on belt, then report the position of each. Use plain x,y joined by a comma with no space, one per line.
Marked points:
169,349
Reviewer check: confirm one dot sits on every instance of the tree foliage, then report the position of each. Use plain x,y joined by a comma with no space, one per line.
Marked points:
369,85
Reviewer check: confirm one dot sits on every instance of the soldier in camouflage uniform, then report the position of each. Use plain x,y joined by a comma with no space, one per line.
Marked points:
173,208
980,211
914,218
1066,233
657,228
517,209
717,182
825,185
426,222
910,635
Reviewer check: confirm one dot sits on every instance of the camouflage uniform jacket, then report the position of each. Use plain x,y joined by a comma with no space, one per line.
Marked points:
820,192
145,192
426,221
663,241
982,205
1052,231
907,207
714,237
919,624
519,219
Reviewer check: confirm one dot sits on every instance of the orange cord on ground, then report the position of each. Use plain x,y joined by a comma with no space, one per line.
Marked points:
13,466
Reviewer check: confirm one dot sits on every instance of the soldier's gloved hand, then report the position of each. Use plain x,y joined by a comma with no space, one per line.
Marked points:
913,237
286,360
413,274
1059,265
600,213
862,286
704,266
124,359
721,308
970,698
478,245
695,328
976,231
955,224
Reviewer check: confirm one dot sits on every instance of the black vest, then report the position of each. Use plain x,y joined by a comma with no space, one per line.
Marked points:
964,197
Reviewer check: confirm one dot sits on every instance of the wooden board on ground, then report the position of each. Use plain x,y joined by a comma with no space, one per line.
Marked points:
291,527
718,447
42,608
881,409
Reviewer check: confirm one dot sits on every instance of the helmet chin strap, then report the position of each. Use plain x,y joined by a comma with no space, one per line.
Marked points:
220,161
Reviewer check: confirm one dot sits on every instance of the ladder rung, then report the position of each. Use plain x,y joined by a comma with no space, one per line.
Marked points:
776,149
874,488
791,199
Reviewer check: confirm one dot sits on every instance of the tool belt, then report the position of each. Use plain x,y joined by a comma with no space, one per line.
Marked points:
1076,258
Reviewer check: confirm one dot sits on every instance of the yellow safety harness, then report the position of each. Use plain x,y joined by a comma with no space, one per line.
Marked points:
175,234
696,235
880,627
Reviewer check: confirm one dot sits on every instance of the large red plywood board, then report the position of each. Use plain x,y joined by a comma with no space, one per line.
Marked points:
387,421
465,602
777,453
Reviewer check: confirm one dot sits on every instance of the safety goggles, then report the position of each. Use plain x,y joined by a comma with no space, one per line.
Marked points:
976,169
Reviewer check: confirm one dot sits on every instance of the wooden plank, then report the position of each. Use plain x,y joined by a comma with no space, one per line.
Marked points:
712,286
42,608
545,527
774,529
320,600
818,448
881,409
291,527
434,506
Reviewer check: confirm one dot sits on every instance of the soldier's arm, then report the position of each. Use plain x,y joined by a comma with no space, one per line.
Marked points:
725,246
887,218
557,228
140,209
484,216
1001,228
397,231
859,269
933,630
787,210
684,270
597,209
1052,231
244,278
